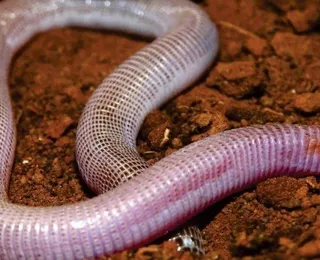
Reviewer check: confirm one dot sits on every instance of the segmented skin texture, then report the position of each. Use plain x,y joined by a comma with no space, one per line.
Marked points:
130,213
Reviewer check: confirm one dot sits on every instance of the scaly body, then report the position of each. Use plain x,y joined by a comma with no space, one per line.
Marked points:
165,195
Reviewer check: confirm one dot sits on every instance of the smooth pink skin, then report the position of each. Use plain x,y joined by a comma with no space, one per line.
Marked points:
168,193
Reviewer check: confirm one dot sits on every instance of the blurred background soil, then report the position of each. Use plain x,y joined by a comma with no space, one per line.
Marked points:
267,71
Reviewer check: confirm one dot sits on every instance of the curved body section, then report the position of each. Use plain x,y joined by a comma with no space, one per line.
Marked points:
137,211
186,44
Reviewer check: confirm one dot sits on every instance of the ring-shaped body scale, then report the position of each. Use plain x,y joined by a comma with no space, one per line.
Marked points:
168,193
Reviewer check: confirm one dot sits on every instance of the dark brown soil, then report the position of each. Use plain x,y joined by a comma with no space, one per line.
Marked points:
267,71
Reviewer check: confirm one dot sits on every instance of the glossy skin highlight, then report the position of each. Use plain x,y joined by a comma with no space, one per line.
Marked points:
165,195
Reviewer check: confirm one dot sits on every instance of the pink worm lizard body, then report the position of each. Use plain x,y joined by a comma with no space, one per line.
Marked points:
165,195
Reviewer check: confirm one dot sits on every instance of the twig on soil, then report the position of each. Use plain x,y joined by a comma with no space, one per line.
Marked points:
237,28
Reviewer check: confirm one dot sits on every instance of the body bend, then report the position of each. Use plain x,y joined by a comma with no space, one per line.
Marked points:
131,211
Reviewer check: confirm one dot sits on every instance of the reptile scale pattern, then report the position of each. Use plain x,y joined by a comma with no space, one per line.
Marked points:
132,211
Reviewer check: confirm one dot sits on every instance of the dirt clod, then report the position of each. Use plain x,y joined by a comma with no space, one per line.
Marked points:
289,45
308,102
303,21
289,197
236,70
57,127
256,45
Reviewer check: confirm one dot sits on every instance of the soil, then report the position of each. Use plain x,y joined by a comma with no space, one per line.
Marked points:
267,71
